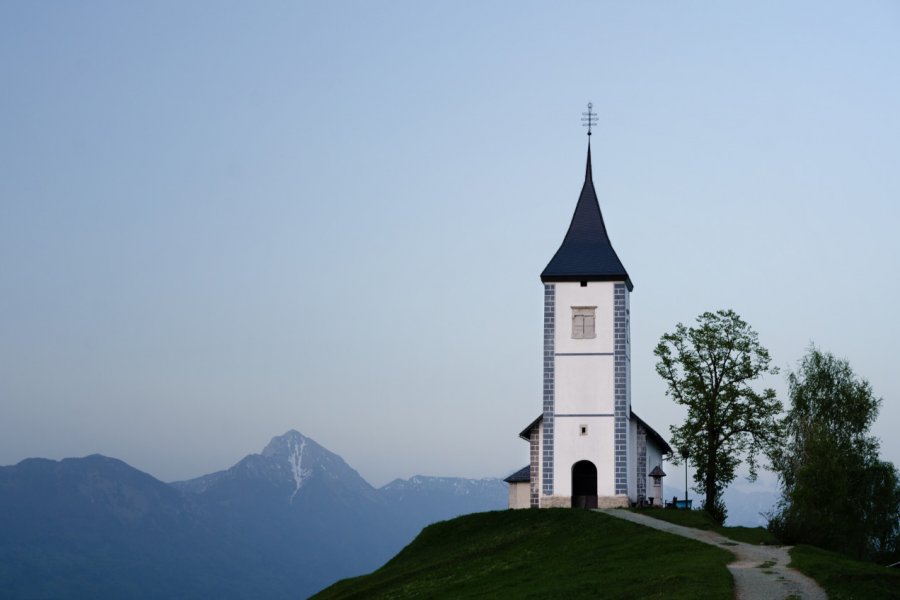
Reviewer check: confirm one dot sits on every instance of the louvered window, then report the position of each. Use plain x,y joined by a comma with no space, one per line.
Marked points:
583,322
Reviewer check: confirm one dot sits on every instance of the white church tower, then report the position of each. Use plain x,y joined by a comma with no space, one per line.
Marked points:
587,448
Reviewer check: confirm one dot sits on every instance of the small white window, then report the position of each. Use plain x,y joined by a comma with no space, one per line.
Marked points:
583,322
583,429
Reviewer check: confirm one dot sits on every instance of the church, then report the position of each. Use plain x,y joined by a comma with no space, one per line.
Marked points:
588,449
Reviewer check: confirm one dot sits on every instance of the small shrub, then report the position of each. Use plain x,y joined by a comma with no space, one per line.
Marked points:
717,511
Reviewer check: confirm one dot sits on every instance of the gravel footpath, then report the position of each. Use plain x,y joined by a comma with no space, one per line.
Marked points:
760,572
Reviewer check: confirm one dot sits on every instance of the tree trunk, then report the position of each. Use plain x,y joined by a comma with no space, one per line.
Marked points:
710,493
710,483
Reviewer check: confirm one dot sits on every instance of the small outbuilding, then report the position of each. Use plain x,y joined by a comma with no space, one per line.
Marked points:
519,488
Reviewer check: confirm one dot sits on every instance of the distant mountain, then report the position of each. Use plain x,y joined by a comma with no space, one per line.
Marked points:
425,500
307,516
94,527
279,524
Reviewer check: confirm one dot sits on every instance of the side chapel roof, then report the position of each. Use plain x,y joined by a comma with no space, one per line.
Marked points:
523,475
586,254
651,433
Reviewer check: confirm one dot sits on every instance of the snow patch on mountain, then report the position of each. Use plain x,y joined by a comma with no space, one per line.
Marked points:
296,461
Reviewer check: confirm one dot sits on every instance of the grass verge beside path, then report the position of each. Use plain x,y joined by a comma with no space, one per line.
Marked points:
844,578
550,553
698,519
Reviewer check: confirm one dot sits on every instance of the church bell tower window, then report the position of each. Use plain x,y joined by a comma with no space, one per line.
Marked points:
583,322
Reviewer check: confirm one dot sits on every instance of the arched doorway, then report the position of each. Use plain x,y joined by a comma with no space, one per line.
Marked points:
584,484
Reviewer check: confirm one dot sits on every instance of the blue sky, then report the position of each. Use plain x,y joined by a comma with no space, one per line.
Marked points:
220,221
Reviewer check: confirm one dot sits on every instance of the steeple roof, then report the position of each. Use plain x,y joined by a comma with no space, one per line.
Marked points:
586,253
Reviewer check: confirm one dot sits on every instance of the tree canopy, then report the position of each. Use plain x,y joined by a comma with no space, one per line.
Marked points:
836,492
709,369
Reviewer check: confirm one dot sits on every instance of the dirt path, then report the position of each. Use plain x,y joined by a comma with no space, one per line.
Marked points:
760,572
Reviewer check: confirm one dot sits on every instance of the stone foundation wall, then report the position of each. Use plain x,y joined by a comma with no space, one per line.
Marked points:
620,501
556,501
602,502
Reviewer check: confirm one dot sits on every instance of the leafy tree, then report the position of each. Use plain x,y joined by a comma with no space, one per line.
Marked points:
709,369
836,492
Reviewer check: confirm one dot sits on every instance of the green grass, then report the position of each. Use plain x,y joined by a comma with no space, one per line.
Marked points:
844,578
552,553
698,519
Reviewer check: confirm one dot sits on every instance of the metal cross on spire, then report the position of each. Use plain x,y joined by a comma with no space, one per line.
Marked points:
589,118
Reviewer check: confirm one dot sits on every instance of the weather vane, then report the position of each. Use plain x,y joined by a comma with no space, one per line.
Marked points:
589,118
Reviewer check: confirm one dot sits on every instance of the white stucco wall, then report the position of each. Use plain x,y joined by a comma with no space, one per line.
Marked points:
519,495
597,293
596,446
584,385
632,459
630,445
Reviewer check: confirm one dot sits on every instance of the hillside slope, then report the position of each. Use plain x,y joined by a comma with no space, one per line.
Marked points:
545,553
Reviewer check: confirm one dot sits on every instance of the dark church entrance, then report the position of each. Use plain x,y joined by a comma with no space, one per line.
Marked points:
584,485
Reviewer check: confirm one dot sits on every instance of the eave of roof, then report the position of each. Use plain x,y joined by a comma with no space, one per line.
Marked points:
586,254
667,449
526,433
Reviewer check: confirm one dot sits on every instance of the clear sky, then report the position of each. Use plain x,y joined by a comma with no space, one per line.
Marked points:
220,221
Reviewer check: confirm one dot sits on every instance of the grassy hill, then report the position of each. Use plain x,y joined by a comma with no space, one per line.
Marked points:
843,578
545,553
699,519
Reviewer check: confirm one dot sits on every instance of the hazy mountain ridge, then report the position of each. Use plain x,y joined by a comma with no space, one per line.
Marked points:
96,527
460,487
278,524
428,499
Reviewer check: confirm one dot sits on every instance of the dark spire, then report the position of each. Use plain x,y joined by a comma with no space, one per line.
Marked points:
586,253
587,173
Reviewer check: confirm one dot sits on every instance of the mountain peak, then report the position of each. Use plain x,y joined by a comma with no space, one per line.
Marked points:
280,445
293,448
